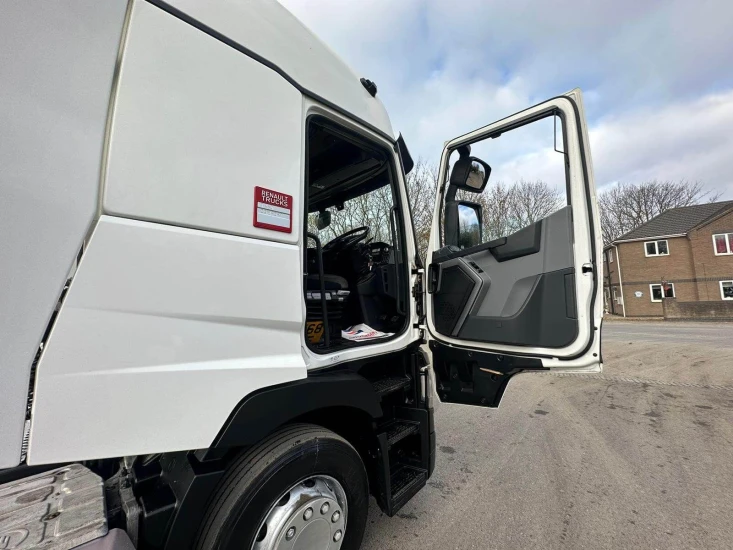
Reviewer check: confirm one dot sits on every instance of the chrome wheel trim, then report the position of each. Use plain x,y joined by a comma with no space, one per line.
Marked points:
311,514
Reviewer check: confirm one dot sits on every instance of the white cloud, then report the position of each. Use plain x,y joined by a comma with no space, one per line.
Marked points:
683,140
689,140
657,76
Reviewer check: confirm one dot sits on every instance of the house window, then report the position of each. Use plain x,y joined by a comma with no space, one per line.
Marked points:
723,244
610,256
726,290
617,297
658,292
656,248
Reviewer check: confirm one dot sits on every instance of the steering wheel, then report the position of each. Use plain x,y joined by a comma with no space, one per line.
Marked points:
347,240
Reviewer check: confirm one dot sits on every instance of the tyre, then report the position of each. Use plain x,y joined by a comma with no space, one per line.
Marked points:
302,488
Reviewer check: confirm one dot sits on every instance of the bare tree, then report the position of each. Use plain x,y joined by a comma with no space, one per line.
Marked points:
370,209
422,182
373,209
626,206
534,200
509,208
506,208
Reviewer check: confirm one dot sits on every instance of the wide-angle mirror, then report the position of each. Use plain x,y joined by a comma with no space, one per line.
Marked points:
470,174
469,225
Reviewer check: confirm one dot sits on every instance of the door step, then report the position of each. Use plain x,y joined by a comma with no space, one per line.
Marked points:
385,386
397,479
405,481
397,430
402,451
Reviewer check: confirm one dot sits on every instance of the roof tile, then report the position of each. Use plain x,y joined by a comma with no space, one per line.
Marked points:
676,221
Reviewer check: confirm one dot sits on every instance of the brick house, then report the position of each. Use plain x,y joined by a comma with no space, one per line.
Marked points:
678,264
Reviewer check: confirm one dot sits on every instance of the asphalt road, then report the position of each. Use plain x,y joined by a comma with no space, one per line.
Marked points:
638,457
712,334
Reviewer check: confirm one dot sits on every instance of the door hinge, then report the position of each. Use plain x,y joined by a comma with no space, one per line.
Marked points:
418,294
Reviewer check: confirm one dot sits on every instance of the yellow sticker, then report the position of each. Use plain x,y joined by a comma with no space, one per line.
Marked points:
314,331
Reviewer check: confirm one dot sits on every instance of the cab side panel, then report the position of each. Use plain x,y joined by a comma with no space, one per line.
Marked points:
56,69
180,307
197,125
163,332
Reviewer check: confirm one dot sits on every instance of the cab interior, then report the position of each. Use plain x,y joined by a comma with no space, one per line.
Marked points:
354,267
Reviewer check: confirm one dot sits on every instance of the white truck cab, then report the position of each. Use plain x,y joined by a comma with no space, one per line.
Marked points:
216,331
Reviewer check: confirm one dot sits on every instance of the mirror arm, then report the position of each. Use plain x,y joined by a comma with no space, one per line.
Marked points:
450,235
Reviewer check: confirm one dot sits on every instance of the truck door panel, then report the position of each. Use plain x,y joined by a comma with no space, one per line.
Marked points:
520,292
526,300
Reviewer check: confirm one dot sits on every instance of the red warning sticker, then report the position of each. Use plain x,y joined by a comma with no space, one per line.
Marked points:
273,210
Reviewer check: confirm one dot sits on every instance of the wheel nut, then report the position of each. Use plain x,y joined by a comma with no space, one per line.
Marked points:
337,536
290,534
336,516
325,508
308,514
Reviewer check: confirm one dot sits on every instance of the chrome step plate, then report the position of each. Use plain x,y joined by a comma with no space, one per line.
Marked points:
59,509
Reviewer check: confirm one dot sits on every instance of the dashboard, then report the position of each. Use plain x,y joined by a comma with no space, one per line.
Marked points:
380,252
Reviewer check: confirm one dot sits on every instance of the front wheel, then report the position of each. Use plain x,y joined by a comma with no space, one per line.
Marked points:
302,488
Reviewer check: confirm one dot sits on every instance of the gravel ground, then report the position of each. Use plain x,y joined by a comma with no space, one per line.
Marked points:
639,456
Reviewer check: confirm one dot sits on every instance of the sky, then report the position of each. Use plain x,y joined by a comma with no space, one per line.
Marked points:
657,77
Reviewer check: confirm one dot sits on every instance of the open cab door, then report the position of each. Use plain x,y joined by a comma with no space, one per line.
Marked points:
514,287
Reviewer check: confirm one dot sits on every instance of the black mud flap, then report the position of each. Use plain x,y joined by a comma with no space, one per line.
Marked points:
477,378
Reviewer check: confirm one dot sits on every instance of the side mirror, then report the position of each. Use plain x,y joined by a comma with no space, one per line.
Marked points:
470,174
463,224
324,219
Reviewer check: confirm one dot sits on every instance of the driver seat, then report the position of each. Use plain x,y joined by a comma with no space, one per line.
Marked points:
331,282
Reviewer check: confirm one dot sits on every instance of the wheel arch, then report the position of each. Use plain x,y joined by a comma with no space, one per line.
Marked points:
332,400
339,400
